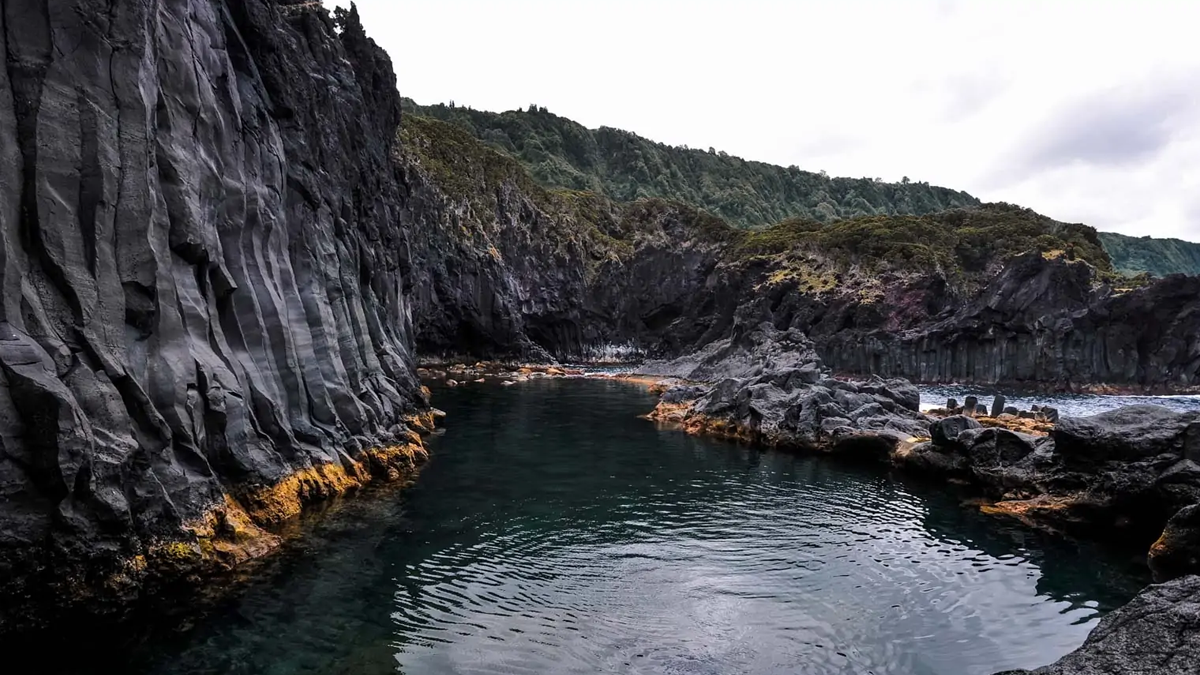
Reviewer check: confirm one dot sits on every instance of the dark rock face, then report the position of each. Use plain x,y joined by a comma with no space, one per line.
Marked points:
202,276
1177,551
1043,323
1154,633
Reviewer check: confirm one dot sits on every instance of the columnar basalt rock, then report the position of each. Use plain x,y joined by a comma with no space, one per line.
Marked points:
1041,323
203,318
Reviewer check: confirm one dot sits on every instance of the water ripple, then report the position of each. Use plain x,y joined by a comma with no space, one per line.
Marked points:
554,532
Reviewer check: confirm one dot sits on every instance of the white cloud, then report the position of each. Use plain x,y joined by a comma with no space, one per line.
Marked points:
1073,108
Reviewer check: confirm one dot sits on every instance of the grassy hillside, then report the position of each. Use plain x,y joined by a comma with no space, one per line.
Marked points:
624,166
1159,257
964,244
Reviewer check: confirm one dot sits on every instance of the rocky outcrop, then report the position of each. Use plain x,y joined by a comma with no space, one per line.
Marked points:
771,389
1120,474
1177,551
1155,633
203,316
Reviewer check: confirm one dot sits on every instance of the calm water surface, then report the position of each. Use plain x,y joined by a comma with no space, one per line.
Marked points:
554,532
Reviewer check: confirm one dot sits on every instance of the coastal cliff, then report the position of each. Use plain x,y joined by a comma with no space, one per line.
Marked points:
995,295
222,251
203,318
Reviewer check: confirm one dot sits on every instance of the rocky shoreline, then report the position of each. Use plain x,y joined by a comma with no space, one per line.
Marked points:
1131,475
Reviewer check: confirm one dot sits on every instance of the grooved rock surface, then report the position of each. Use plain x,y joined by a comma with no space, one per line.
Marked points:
1041,323
201,281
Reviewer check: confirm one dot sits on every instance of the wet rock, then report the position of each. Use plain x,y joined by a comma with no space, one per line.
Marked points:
945,432
951,405
998,405
1128,434
970,406
981,410
930,459
1011,410
1155,633
1177,551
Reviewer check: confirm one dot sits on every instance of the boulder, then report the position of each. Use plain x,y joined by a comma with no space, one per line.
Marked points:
1012,410
945,432
1129,434
981,410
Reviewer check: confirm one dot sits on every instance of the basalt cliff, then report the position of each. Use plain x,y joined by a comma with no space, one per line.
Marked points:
205,317
223,248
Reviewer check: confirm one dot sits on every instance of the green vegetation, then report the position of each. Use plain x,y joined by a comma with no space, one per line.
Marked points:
1158,257
572,160
626,167
966,245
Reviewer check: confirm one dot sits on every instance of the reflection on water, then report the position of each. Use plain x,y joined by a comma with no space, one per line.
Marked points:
554,532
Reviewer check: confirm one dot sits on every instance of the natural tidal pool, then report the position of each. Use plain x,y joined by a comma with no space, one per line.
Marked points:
555,532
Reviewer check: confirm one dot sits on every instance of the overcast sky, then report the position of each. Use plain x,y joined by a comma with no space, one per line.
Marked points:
1086,111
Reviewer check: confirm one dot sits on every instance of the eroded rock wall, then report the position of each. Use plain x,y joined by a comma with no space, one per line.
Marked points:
202,304
1042,323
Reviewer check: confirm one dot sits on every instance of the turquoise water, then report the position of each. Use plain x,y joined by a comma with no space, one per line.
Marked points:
555,532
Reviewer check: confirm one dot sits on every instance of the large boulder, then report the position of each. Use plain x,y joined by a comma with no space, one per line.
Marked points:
945,432
1129,434
1157,633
